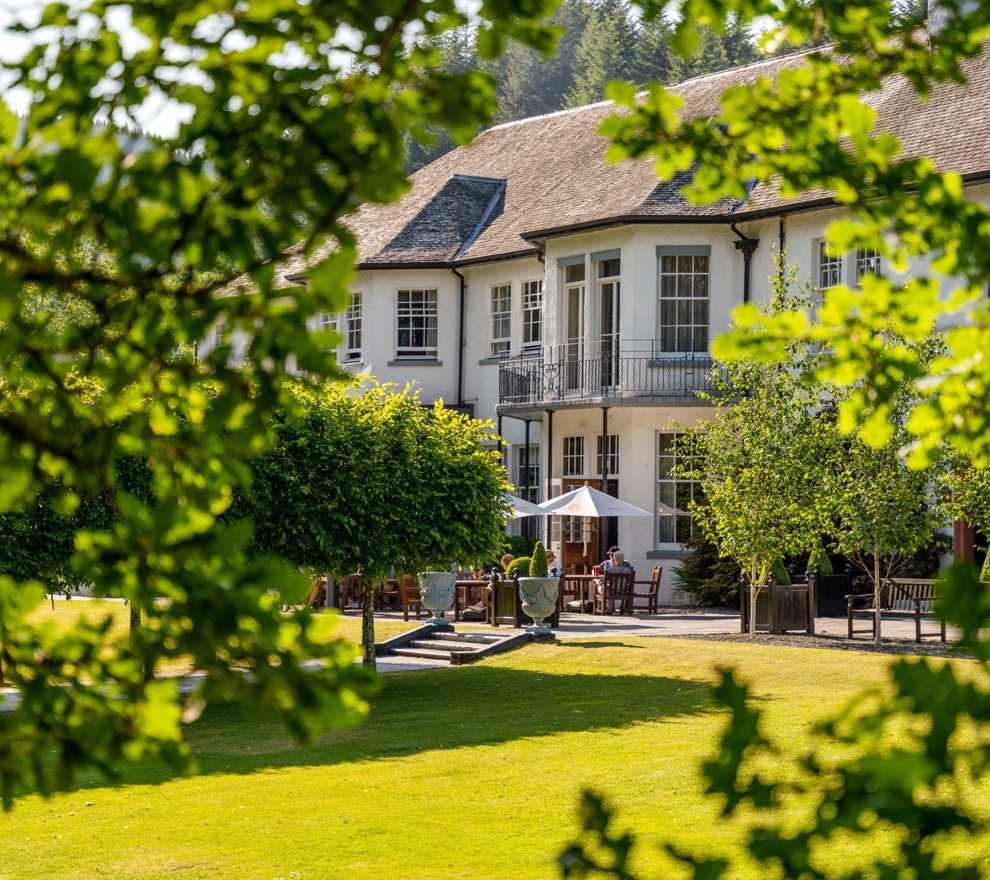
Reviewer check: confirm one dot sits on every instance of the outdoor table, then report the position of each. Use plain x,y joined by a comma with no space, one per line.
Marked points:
588,582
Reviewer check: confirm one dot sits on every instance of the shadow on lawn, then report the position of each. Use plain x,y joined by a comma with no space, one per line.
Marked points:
441,710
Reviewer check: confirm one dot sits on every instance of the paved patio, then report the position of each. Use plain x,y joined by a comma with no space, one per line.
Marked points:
669,622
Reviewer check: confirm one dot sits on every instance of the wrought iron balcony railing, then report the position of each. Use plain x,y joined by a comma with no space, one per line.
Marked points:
561,375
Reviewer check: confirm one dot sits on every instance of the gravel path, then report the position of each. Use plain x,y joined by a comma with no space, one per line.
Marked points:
933,648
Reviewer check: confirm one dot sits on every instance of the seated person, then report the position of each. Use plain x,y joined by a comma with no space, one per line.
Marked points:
607,562
553,567
619,562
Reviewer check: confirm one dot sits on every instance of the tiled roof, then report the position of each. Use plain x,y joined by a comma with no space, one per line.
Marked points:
551,174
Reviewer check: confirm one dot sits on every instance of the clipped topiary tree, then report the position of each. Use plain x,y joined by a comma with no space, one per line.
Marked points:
820,558
538,567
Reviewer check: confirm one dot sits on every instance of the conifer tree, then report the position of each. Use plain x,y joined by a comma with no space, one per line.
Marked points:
710,56
652,55
605,53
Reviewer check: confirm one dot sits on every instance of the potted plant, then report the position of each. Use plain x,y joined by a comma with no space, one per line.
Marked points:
538,592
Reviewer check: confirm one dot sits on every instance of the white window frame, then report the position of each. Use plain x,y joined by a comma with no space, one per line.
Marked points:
828,268
532,315
684,298
500,305
572,459
866,262
416,323
613,455
353,328
532,466
671,489
220,331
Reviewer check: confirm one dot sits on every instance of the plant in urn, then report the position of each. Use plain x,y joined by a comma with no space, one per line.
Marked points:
539,592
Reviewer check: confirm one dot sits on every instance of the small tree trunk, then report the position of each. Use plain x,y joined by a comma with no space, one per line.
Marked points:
877,595
368,623
753,591
3,657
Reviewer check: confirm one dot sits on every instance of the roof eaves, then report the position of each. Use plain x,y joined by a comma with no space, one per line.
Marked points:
539,235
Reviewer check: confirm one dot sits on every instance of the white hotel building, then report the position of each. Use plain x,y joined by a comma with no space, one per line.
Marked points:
573,302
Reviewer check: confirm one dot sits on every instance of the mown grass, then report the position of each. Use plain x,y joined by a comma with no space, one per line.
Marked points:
470,772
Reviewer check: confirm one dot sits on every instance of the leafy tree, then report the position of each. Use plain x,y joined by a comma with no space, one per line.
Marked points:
903,757
884,512
327,496
283,127
754,458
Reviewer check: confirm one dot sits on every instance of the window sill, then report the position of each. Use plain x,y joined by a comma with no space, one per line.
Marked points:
669,554
679,358
416,362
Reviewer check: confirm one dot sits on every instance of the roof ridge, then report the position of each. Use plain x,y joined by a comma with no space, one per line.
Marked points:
752,64
563,112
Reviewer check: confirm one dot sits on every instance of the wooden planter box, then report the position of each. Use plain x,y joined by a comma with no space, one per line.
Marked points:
781,608
506,606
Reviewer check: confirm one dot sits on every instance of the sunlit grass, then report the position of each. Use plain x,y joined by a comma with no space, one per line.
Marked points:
471,772
66,613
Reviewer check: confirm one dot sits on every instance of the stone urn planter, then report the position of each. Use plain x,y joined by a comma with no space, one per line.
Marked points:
539,599
436,590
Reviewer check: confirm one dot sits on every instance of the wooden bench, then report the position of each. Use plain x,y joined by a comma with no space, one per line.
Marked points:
913,598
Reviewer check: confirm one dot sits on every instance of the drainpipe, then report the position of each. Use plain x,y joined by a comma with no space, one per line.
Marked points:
747,246
528,531
781,249
549,445
460,336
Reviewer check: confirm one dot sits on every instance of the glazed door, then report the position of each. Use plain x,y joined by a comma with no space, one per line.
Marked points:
579,542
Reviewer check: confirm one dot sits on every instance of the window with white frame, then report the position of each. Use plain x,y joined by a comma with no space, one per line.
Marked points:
613,455
528,473
573,459
416,324
868,262
501,310
532,314
352,325
829,268
220,334
684,298
675,494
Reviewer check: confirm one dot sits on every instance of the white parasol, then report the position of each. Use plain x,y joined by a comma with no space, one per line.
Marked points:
521,507
586,501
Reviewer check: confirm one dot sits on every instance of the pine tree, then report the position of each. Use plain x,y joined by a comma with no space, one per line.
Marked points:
528,84
709,57
652,55
740,48
605,53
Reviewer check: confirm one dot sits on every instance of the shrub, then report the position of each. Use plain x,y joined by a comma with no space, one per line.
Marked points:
520,545
519,565
820,558
780,573
712,580
538,567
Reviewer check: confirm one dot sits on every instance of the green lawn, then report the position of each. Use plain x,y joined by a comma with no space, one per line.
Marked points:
469,772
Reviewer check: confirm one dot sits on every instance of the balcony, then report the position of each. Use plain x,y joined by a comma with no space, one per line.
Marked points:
563,374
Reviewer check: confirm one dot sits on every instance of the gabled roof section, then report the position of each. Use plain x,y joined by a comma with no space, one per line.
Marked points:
447,225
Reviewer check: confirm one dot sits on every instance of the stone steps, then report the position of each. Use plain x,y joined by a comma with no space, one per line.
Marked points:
446,644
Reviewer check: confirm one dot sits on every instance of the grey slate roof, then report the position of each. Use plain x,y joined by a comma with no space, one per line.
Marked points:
550,174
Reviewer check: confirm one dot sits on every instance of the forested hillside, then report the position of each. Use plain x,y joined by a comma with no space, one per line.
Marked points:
603,40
